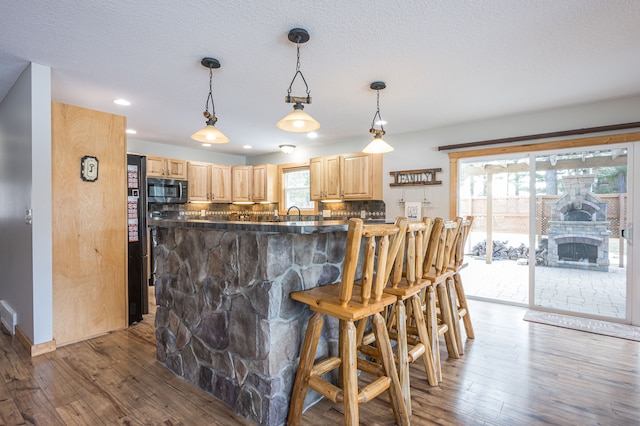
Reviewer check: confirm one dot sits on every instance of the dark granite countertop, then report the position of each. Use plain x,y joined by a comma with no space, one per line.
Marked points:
296,227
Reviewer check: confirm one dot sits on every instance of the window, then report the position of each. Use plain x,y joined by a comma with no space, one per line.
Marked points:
296,188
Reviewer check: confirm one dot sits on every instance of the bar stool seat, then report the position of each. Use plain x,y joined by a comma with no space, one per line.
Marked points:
339,301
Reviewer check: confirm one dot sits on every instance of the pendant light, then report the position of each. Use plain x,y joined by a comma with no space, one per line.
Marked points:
377,145
210,134
298,120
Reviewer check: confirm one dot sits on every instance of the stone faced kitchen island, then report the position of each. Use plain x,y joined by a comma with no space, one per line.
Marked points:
224,319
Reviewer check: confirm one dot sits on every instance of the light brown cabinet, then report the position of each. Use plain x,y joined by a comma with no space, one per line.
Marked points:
265,183
199,186
166,167
356,176
209,182
256,184
220,183
241,180
324,174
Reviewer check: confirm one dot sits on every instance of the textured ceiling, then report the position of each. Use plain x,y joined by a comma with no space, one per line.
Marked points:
444,62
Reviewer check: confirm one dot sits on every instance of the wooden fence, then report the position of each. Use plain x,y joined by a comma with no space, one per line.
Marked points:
511,214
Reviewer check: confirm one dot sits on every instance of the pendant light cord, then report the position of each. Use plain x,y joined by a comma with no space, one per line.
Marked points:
377,114
298,72
210,97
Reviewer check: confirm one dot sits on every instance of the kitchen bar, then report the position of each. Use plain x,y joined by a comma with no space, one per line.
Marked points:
224,319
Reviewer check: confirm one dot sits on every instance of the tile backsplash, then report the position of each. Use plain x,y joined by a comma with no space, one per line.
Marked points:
370,210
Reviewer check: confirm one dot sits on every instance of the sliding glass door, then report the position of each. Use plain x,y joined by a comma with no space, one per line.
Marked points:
581,202
547,229
496,193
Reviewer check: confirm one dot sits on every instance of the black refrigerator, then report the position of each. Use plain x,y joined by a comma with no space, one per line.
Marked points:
137,234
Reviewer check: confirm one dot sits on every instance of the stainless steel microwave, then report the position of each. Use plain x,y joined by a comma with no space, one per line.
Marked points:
167,191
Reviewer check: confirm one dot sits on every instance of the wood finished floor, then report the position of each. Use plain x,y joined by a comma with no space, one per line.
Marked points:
513,373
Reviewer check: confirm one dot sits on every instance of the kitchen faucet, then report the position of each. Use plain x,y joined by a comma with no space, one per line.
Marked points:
295,207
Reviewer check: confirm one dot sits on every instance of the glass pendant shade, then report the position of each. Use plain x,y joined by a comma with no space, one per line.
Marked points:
298,121
209,134
377,146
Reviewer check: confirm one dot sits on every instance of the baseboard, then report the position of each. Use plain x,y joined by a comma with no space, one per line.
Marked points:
35,350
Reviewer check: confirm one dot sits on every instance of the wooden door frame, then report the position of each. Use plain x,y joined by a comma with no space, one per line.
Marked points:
454,157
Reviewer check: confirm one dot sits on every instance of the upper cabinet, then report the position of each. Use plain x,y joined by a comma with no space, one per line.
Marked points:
324,174
220,183
265,183
356,176
257,184
241,180
209,182
166,167
361,176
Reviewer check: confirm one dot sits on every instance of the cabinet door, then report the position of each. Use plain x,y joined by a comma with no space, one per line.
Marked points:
259,184
265,185
241,183
176,169
361,176
316,187
332,183
220,183
199,182
155,166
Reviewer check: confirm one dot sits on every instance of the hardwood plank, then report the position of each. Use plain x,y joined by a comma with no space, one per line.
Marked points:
514,372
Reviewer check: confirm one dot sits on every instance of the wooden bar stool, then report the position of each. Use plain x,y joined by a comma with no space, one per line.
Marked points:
339,301
437,299
406,322
461,311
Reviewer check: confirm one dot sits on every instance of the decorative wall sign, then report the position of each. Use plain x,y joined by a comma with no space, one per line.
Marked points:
415,177
89,168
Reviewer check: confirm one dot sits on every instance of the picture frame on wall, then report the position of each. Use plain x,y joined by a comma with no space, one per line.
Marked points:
413,211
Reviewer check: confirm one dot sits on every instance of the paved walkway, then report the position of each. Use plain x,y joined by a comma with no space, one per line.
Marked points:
587,292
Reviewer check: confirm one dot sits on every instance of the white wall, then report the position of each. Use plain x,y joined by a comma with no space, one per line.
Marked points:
182,153
25,177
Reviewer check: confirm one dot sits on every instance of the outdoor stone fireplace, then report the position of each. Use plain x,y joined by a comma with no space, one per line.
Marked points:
578,229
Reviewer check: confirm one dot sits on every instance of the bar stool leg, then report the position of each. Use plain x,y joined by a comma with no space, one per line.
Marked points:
395,393
432,328
462,299
403,355
307,357
453,308
349,373
445,313
423,334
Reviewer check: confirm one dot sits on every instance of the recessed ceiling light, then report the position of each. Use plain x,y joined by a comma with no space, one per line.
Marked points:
206,144
247,146
312,135
123,102
131,131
